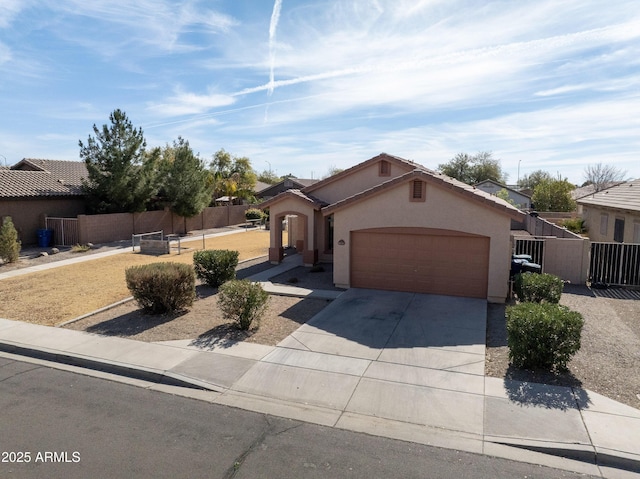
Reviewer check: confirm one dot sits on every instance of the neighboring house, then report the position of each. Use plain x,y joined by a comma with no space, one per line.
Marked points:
585,191
287,184
613,214
389,223
520,200
259,186
32,188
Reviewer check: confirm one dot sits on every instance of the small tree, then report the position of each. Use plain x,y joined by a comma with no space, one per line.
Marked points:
474,169
553,195
534,178
233,176
269,177
9,243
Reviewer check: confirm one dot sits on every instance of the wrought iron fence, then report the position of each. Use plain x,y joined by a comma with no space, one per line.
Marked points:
616,264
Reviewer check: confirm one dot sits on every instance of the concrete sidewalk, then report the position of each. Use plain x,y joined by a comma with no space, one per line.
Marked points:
389,370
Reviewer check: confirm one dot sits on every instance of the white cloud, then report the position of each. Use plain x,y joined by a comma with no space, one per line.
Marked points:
186,103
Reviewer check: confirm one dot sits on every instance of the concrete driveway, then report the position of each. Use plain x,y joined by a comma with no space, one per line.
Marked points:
407,357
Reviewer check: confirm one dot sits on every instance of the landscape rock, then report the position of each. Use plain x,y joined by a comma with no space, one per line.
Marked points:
42,254
54,251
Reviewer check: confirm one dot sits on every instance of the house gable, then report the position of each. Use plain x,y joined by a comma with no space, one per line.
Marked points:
520,199
360,177
430,180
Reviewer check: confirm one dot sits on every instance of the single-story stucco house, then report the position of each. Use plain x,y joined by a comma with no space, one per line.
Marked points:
389,223
520,199
613,214
34,188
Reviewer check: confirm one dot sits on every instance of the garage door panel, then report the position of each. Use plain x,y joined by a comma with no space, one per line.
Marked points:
438,264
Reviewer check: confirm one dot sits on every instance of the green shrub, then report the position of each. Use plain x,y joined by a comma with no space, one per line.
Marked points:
575,225
214,267
253,214
162,287
242,301
9,243
542,335
536,288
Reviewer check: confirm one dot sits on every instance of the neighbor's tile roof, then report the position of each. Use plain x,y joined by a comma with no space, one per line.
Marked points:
625,196
32,178
294,193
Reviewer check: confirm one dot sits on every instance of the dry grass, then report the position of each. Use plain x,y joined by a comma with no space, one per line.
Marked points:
63,293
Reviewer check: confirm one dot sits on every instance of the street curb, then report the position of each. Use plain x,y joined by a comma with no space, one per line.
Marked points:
157,376
581,452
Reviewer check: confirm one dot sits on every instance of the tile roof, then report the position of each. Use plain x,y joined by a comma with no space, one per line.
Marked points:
625,196
33,178
294,193
583,191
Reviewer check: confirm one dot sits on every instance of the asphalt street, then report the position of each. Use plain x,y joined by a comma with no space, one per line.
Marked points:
61,424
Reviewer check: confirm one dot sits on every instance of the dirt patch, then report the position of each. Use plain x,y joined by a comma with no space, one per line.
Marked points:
203,324
56,295
609,358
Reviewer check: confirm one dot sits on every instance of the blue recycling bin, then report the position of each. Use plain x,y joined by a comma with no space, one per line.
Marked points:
44,238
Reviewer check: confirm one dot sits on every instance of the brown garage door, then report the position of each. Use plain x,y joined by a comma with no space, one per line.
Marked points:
420,260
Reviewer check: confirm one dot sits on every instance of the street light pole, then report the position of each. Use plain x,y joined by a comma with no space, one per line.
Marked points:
519,172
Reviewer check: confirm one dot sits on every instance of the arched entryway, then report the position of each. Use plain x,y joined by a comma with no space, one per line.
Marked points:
298,232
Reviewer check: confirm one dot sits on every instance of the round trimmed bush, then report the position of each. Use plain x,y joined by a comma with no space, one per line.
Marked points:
215,266
162,287
242,301
536,288
542,335
253,214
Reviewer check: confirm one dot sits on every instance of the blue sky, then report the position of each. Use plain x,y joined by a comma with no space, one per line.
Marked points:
301,86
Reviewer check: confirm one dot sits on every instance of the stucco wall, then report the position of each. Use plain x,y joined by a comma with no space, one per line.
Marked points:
291,206
366,178
567,259
120,226
27,215
442,209
592,217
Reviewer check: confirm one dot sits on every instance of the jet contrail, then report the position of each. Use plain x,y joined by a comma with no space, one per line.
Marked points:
275,16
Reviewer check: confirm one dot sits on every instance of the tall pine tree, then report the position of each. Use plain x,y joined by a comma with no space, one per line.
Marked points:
122,175
187,183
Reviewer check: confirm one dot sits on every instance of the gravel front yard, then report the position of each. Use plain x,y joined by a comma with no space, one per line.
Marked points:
609,358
